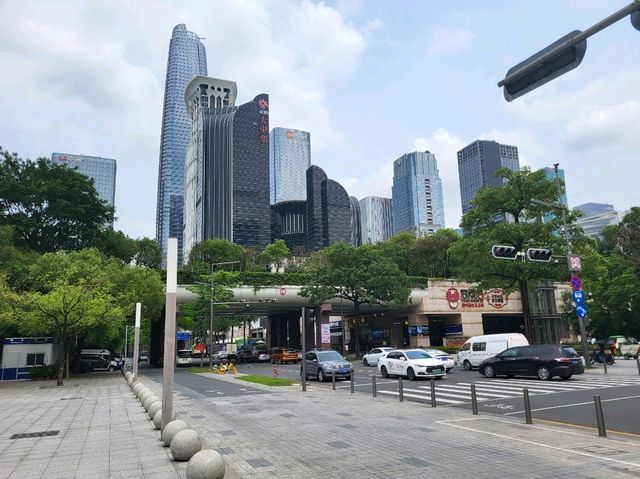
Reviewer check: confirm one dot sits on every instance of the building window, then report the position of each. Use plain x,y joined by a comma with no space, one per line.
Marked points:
35,359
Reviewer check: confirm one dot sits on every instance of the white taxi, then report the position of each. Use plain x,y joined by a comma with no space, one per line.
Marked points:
442,356
412,363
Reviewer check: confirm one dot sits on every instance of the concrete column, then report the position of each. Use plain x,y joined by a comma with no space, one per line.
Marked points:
136,342
169,331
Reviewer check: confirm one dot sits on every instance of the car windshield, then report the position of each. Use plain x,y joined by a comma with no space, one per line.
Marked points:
434,352
417,355
569,352
330,356
184,354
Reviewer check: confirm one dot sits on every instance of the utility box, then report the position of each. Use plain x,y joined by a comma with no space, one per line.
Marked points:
19,355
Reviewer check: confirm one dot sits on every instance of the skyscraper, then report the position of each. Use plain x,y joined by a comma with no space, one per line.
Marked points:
477,165
101,170
227,170
376,219
328,213
187,59
418,207
356,224
289,159
550,174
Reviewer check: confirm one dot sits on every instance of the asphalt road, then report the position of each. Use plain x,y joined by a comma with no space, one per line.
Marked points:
570,401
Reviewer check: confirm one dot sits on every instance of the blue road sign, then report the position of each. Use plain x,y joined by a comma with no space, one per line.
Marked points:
578,296
581,310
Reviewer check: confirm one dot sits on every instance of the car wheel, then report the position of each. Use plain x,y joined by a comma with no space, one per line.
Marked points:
627,356
111,369
565,377
448,370
543,373
411,375
365,362
384,372
489,371
321,377
467,365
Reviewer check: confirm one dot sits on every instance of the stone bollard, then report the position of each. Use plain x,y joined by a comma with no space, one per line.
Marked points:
145,395
154,408
171,429
206,464
138,387
149,401
185,444
142,391
128,376
157,419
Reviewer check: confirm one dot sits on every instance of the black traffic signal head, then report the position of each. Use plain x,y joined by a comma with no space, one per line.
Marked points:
504,252
539,254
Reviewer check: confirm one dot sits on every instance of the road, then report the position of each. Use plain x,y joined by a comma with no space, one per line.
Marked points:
568,401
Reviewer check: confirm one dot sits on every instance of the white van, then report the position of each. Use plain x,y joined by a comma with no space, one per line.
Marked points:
183,358
479,348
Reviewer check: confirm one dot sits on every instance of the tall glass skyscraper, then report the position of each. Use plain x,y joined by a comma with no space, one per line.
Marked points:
356,218
101,170
477,165
376,219
289,159
187,59
418,207
227,171
550,174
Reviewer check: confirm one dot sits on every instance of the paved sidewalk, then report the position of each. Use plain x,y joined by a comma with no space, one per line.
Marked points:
335,434
103,432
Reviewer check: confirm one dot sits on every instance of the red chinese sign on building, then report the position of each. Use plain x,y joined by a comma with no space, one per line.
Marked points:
263,126
470,298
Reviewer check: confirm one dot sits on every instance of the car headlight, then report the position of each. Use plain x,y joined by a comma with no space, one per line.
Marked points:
328,366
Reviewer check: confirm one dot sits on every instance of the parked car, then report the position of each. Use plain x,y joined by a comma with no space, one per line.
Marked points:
97,362
143,356
283,356
446,358
183,358
412,363
543,360
323,364
478,348
371,358
245,355
262,356
627,347
228,356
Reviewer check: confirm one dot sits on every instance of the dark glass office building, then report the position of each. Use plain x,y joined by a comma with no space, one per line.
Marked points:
328,214
227,173
356,226
288,223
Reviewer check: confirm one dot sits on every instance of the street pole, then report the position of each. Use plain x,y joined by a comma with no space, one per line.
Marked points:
581,326
169,332
304,350
136,343
211,319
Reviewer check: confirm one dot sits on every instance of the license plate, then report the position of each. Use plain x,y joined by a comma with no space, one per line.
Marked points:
436,370
342,371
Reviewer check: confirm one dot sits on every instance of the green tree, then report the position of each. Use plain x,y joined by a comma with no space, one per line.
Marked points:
210,251
485,226
362,275
148,253
398,248
431,256
275,253
116,244
51,207
70,293
629,236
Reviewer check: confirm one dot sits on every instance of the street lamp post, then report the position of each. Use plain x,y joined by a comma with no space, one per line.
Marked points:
126,343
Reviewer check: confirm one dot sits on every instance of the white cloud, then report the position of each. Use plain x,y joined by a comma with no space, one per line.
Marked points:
446,41
89,78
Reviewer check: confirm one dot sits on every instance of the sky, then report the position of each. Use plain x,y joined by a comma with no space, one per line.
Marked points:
370,79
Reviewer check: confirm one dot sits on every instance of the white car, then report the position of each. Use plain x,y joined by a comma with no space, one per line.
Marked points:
183,358
412,363
371,358
442,356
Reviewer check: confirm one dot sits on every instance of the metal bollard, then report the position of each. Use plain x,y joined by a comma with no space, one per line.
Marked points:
527,406
374,388
433,393
605,366
474,400
353,382
602,432
333,380
638,363
400,390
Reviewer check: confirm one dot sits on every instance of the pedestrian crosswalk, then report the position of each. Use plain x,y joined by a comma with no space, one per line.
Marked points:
453,393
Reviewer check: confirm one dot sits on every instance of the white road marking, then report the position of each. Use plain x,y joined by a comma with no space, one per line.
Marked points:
573,404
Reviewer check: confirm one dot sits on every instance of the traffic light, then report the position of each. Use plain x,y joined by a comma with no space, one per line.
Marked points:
635,19
539,254
537,73
504,252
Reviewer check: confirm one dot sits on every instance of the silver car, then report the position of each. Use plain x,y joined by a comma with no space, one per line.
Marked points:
323,364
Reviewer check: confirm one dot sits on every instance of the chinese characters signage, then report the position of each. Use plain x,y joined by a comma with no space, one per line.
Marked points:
263,126
471,298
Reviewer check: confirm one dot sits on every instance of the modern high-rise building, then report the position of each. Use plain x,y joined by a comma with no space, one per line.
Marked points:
477,165
594,209
328,214
418,207
227,170
187,59
288,223
289,159
101,170
356,225
550,174
376,219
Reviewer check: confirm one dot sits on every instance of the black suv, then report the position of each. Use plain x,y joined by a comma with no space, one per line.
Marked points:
543,360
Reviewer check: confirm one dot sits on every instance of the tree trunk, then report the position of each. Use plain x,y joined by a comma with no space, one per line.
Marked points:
67,357
356,329
526,310
62,359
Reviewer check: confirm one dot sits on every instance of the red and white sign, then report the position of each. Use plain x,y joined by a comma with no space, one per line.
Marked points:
283,291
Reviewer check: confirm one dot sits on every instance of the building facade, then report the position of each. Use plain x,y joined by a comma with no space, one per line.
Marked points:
289,159
593,209
477,165
376,218
101,170
328,211
550,174
356,224
593,226
227,170
418,206
187,59
288,223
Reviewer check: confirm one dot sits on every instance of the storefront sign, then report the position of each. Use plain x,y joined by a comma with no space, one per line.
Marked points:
471,298
453,330
325,333
496,298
